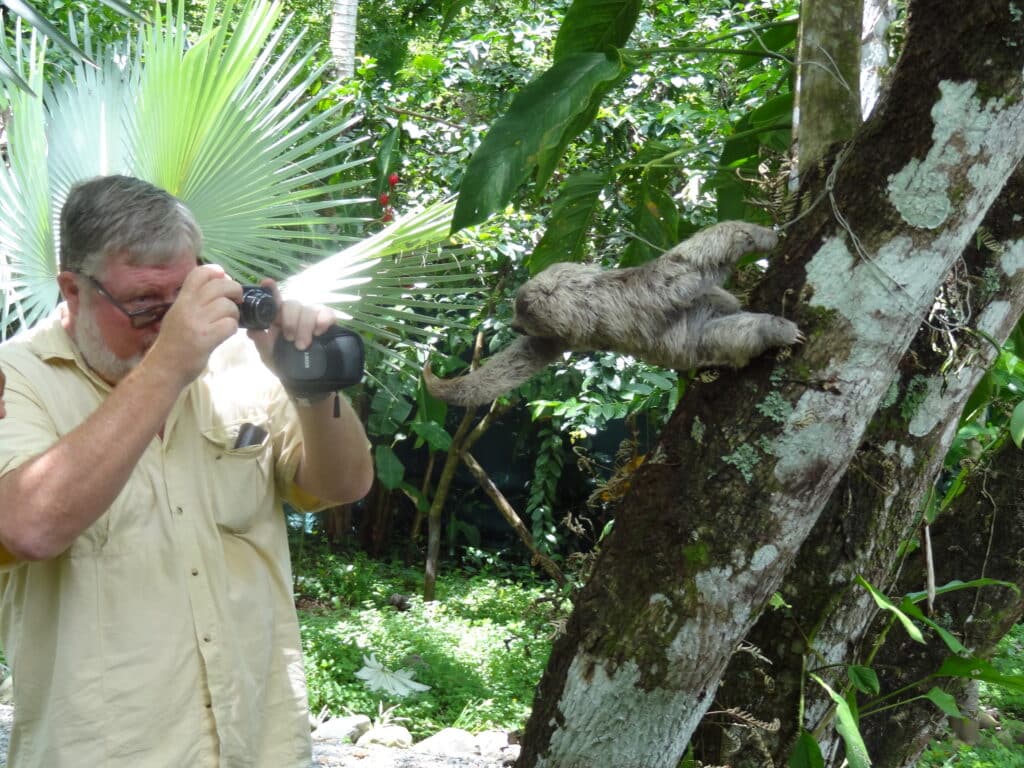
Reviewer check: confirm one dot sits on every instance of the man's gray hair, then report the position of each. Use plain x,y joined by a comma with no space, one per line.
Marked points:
123,216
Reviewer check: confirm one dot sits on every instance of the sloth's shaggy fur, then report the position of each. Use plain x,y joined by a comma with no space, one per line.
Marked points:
671,312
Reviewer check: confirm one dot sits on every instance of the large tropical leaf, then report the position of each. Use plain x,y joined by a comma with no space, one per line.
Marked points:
220,119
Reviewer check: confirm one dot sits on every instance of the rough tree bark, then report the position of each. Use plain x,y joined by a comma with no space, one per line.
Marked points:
873,511
828,108
745,466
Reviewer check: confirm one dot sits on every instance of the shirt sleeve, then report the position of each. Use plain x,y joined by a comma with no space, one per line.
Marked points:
27,430
287,436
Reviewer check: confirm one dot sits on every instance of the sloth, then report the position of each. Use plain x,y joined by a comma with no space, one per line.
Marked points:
671,312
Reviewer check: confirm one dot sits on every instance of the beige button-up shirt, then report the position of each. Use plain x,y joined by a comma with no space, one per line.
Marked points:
166,636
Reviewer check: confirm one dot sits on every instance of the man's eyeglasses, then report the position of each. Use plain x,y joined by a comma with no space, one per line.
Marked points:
139,318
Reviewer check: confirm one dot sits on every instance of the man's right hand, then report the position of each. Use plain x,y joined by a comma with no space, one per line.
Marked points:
204,315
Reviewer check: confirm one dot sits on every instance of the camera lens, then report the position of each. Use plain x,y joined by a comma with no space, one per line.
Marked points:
258,308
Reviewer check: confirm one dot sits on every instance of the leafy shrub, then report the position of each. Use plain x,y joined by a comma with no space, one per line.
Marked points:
481,647
993,750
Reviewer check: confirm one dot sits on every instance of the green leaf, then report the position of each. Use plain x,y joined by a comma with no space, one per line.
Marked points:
655,221
389,468
435,435
864,679
948,638
806,753
849,729
887,605
979,669
943,701
569,223
590,26
956,585
770,124
774,40
544,116
1017,424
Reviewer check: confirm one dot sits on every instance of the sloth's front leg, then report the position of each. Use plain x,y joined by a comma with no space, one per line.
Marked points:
719,247
733,340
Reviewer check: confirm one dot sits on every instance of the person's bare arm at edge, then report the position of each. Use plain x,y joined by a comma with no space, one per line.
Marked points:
3,382
50,499
336,465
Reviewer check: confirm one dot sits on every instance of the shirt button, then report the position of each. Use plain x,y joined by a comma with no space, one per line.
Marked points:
195,571
180,511
206,638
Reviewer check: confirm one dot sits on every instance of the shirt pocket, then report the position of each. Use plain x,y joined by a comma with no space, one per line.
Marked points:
241,456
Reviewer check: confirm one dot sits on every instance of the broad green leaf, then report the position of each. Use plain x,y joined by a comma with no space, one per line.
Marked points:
569,223
955,585
770,125
908,607
773,40
544,116
887,605
433,433
591,26
389,468
943,701
1017,424
655,221
979,669
806,753
849,729
864,679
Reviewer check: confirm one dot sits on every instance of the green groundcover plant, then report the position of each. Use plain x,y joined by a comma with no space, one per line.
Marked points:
481,647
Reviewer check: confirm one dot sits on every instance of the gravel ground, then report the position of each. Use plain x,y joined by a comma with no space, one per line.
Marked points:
327,755
330,754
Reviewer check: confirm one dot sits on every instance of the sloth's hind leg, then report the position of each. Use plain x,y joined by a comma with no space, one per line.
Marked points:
733,340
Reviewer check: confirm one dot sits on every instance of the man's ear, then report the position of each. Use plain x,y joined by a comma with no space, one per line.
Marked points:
70,290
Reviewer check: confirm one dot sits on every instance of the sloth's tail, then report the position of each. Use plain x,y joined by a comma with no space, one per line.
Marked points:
501,373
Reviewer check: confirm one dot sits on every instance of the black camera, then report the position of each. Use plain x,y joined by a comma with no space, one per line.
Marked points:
334,360
257,309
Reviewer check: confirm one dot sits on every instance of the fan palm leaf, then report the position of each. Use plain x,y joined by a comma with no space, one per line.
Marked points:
221,119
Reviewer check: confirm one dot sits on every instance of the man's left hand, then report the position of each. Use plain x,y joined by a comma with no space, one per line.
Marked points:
297,322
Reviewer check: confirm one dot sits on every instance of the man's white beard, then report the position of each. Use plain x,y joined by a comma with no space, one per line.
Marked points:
89,340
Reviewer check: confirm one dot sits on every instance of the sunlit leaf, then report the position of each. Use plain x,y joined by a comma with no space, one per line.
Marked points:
569,222
849,729
544,116
1017,424
888,605
979,669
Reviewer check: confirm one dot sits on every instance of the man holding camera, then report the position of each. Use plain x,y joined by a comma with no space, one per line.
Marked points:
148,616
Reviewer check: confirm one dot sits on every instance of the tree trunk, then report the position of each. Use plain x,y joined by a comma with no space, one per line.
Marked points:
874,510
343,36
746,464
828,106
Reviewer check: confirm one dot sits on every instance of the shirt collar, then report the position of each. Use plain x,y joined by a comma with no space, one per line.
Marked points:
50,341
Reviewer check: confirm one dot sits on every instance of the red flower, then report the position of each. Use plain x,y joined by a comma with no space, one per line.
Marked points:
384,198
393,179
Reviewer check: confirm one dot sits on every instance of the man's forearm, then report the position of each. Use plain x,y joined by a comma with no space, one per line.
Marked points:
50,499
336,465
